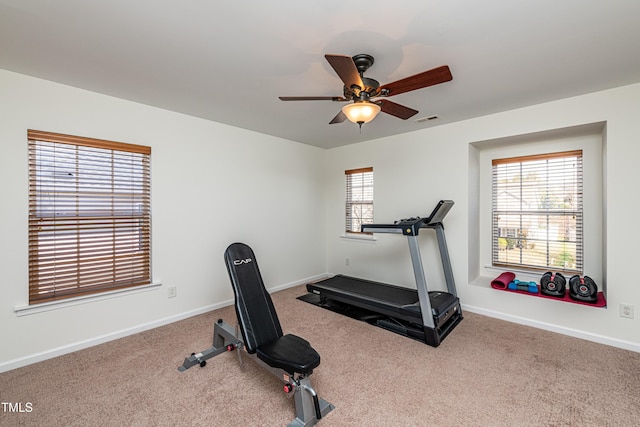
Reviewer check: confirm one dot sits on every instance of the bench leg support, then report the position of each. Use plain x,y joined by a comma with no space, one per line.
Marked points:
224,339
310,408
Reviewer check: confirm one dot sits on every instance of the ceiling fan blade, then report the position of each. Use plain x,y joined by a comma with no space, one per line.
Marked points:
339,118
397,110
427,78
312,98
346,69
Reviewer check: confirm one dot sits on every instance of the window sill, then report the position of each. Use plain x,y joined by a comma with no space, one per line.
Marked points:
25,310
485,282
521,273
601,302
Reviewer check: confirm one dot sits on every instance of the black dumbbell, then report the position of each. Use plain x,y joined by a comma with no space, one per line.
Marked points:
553,284
583,289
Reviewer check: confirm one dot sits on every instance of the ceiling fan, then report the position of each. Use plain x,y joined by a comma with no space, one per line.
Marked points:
362,90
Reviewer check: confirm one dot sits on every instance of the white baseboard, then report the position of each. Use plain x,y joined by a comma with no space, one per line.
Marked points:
299,282
59,351
49,354
613,342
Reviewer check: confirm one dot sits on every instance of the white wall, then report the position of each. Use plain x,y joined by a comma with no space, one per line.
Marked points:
212,185
414,170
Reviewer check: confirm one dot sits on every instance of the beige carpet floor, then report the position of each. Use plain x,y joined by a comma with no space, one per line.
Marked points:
487,372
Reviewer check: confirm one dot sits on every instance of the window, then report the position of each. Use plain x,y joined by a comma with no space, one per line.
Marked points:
537,212
89,216
359,205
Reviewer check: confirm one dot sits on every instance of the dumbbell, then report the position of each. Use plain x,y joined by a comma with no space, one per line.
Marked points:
553,284
523,286
583,289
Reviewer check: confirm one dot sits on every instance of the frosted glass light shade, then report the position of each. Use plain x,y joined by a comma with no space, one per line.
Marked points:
361,112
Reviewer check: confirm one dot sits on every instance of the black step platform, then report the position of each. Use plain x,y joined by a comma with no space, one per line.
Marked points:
390,307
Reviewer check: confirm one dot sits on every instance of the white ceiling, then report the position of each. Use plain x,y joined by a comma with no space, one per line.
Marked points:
228,61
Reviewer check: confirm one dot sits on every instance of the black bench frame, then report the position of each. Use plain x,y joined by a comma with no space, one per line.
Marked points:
288,357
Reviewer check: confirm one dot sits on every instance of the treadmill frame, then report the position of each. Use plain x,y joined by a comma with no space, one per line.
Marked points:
418,269
410,228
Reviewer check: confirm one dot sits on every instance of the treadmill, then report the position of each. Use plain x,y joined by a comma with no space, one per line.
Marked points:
416,313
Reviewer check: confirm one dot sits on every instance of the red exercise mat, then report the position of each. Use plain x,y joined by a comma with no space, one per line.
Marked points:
503,280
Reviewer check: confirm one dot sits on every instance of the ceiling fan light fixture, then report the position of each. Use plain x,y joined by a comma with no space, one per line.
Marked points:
361,111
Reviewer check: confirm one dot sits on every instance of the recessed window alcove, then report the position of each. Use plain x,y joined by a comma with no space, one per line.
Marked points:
591,139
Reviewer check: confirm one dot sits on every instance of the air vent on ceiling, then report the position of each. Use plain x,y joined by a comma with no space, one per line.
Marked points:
425,119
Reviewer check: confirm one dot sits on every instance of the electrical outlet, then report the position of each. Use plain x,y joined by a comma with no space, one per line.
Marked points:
626,310
172,292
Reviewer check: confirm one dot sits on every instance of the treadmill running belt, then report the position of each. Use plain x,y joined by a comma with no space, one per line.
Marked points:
391,294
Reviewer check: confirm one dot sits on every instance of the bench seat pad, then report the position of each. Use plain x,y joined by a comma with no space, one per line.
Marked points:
290,353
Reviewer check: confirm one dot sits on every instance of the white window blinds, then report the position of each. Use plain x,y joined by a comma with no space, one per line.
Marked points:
89,216
359,199
537,212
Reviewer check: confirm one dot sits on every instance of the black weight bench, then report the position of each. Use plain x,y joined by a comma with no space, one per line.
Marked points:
289,357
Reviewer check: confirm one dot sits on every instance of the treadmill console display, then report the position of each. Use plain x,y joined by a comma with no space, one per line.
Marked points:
441,210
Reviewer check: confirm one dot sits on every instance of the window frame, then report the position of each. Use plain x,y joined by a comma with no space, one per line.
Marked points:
89,216
350,174
562,213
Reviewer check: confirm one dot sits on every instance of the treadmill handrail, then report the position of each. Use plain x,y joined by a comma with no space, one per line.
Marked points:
412,226
380,228
390,228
